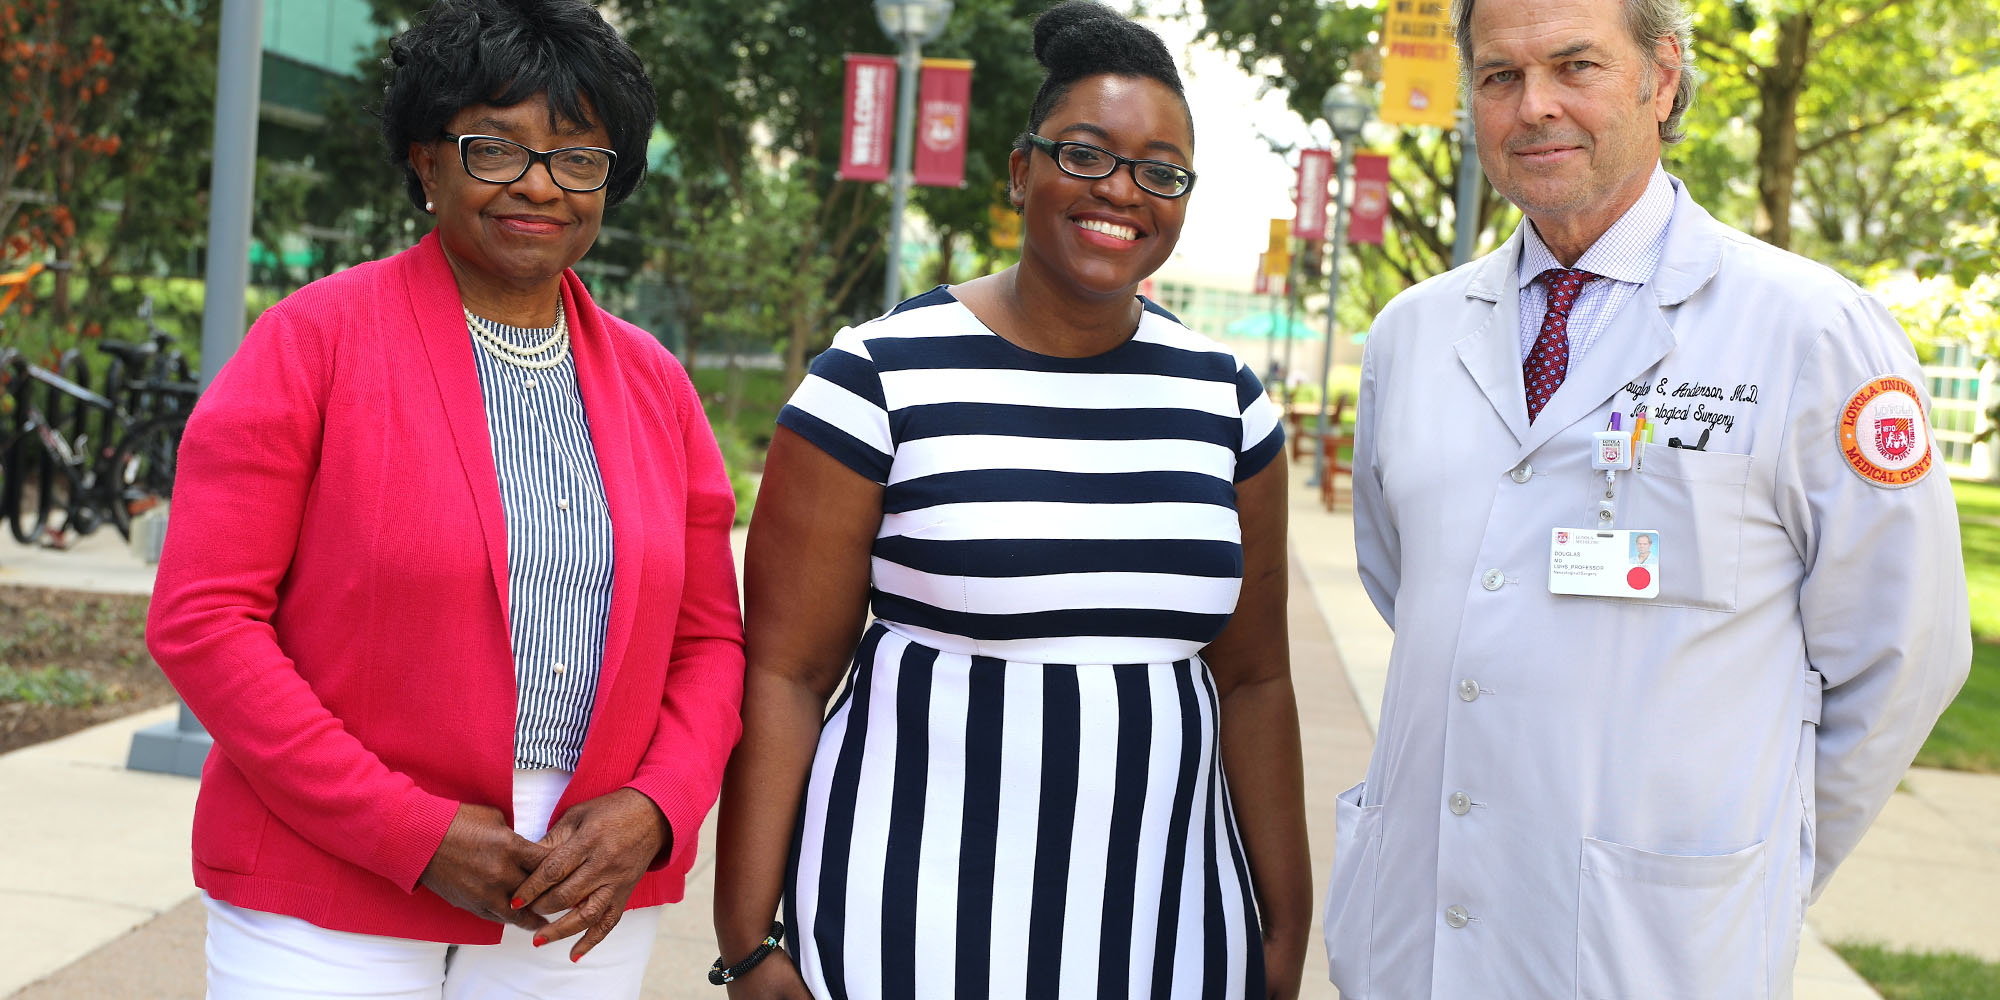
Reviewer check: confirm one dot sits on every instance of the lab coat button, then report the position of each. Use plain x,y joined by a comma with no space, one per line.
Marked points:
1457,916
1493,579
1522,473
1461,803
1468,690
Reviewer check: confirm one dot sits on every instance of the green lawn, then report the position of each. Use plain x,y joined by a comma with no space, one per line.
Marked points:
745,434
1967,738
1901,975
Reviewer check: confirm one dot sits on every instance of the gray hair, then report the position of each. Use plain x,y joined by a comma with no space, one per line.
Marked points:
1647,21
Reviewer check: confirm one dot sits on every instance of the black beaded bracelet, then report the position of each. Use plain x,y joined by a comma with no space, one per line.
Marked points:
721,975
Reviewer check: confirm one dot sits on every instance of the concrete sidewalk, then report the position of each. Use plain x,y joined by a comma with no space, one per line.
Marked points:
100,903
95,900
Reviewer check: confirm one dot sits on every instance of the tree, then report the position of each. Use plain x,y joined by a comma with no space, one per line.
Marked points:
1813,81
754,87
119,172
54,73
1303,48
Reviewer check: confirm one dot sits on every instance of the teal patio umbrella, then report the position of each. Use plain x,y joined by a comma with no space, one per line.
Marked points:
1270,325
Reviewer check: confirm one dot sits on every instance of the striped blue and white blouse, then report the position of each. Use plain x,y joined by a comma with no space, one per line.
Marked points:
558,548
1044,509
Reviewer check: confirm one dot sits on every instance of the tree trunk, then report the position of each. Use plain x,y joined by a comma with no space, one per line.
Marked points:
803,326
1778,88
732,381
946,241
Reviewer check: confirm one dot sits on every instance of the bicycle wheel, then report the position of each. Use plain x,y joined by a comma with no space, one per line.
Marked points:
105,428
77,370
29,490
141,472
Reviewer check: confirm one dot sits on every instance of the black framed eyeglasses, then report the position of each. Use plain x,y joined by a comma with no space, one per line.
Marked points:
578,169
1081,159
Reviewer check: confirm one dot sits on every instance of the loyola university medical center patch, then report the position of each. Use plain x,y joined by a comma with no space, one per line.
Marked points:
1883,434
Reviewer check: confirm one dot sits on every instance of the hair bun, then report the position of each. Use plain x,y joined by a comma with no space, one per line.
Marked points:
1067,27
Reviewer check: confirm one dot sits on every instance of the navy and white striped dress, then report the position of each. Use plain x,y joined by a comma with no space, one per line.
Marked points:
1018,794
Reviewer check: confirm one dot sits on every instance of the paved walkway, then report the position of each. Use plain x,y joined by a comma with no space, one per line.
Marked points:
95,899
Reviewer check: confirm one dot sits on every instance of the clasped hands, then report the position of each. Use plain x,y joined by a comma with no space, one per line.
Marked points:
587,864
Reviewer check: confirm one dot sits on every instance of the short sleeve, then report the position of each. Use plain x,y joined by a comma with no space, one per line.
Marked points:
841,410
1263,431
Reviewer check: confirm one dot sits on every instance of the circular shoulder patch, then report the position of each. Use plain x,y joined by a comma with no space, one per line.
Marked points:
1883,434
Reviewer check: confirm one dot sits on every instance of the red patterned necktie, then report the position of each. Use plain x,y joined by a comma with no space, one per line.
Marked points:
1548,363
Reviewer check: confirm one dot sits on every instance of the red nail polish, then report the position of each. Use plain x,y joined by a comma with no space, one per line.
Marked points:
576,958
541,939
515,902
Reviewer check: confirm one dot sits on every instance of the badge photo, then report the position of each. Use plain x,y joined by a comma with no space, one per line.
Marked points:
1883,434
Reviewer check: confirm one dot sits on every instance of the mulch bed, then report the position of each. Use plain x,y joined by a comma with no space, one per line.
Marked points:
100,638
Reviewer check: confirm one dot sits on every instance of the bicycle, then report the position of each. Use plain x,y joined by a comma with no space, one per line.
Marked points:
158,399
49,466
47,471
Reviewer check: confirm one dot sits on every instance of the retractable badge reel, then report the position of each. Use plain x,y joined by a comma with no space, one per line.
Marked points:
1612,451
1600,561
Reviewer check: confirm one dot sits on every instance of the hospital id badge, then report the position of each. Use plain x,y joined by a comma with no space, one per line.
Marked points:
1589,563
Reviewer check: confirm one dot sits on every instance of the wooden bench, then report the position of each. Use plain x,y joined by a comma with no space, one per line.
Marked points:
1303,420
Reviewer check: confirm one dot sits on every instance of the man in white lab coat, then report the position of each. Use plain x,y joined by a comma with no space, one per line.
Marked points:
1595,779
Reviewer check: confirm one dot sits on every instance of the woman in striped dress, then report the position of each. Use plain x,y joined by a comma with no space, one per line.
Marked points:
1063,509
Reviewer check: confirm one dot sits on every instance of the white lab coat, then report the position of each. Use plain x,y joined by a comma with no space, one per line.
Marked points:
1631,798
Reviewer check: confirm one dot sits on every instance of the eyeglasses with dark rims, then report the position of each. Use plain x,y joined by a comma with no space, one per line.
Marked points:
1081,159
577,169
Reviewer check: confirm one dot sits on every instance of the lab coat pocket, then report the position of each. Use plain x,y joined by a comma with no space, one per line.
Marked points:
1670,927
1694,499
1350,894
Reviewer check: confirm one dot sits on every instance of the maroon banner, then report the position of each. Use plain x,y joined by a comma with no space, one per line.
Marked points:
1371,198
868,127
1262,286
1309,208
944,99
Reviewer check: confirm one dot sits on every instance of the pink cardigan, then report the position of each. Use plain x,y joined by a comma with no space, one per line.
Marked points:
332,600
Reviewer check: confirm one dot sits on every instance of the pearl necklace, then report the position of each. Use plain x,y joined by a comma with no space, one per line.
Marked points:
522,357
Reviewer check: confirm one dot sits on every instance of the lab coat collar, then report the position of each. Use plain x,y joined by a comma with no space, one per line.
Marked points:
1638,338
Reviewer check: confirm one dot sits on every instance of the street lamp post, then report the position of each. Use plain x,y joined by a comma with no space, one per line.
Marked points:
913,24
1466,204
1346,109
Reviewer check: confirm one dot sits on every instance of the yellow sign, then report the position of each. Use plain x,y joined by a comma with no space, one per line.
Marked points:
1278,259
1005,229
1419,64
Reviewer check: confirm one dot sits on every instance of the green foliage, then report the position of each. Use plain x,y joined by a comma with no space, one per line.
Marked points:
60,687
37,634
1979,535
746,265
1873,124
1967,737
1900,975
739,458
1302,48
1809,112
745,399
746,205
742,406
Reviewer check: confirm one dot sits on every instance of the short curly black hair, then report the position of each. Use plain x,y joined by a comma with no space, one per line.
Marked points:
503,52
1078,39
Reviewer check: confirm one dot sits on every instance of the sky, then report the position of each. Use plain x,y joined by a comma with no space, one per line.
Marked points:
1243,183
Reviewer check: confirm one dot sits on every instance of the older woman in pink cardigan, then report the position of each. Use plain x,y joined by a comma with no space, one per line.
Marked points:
448,577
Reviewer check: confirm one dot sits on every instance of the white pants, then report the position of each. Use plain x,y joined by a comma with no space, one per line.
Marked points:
254,955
